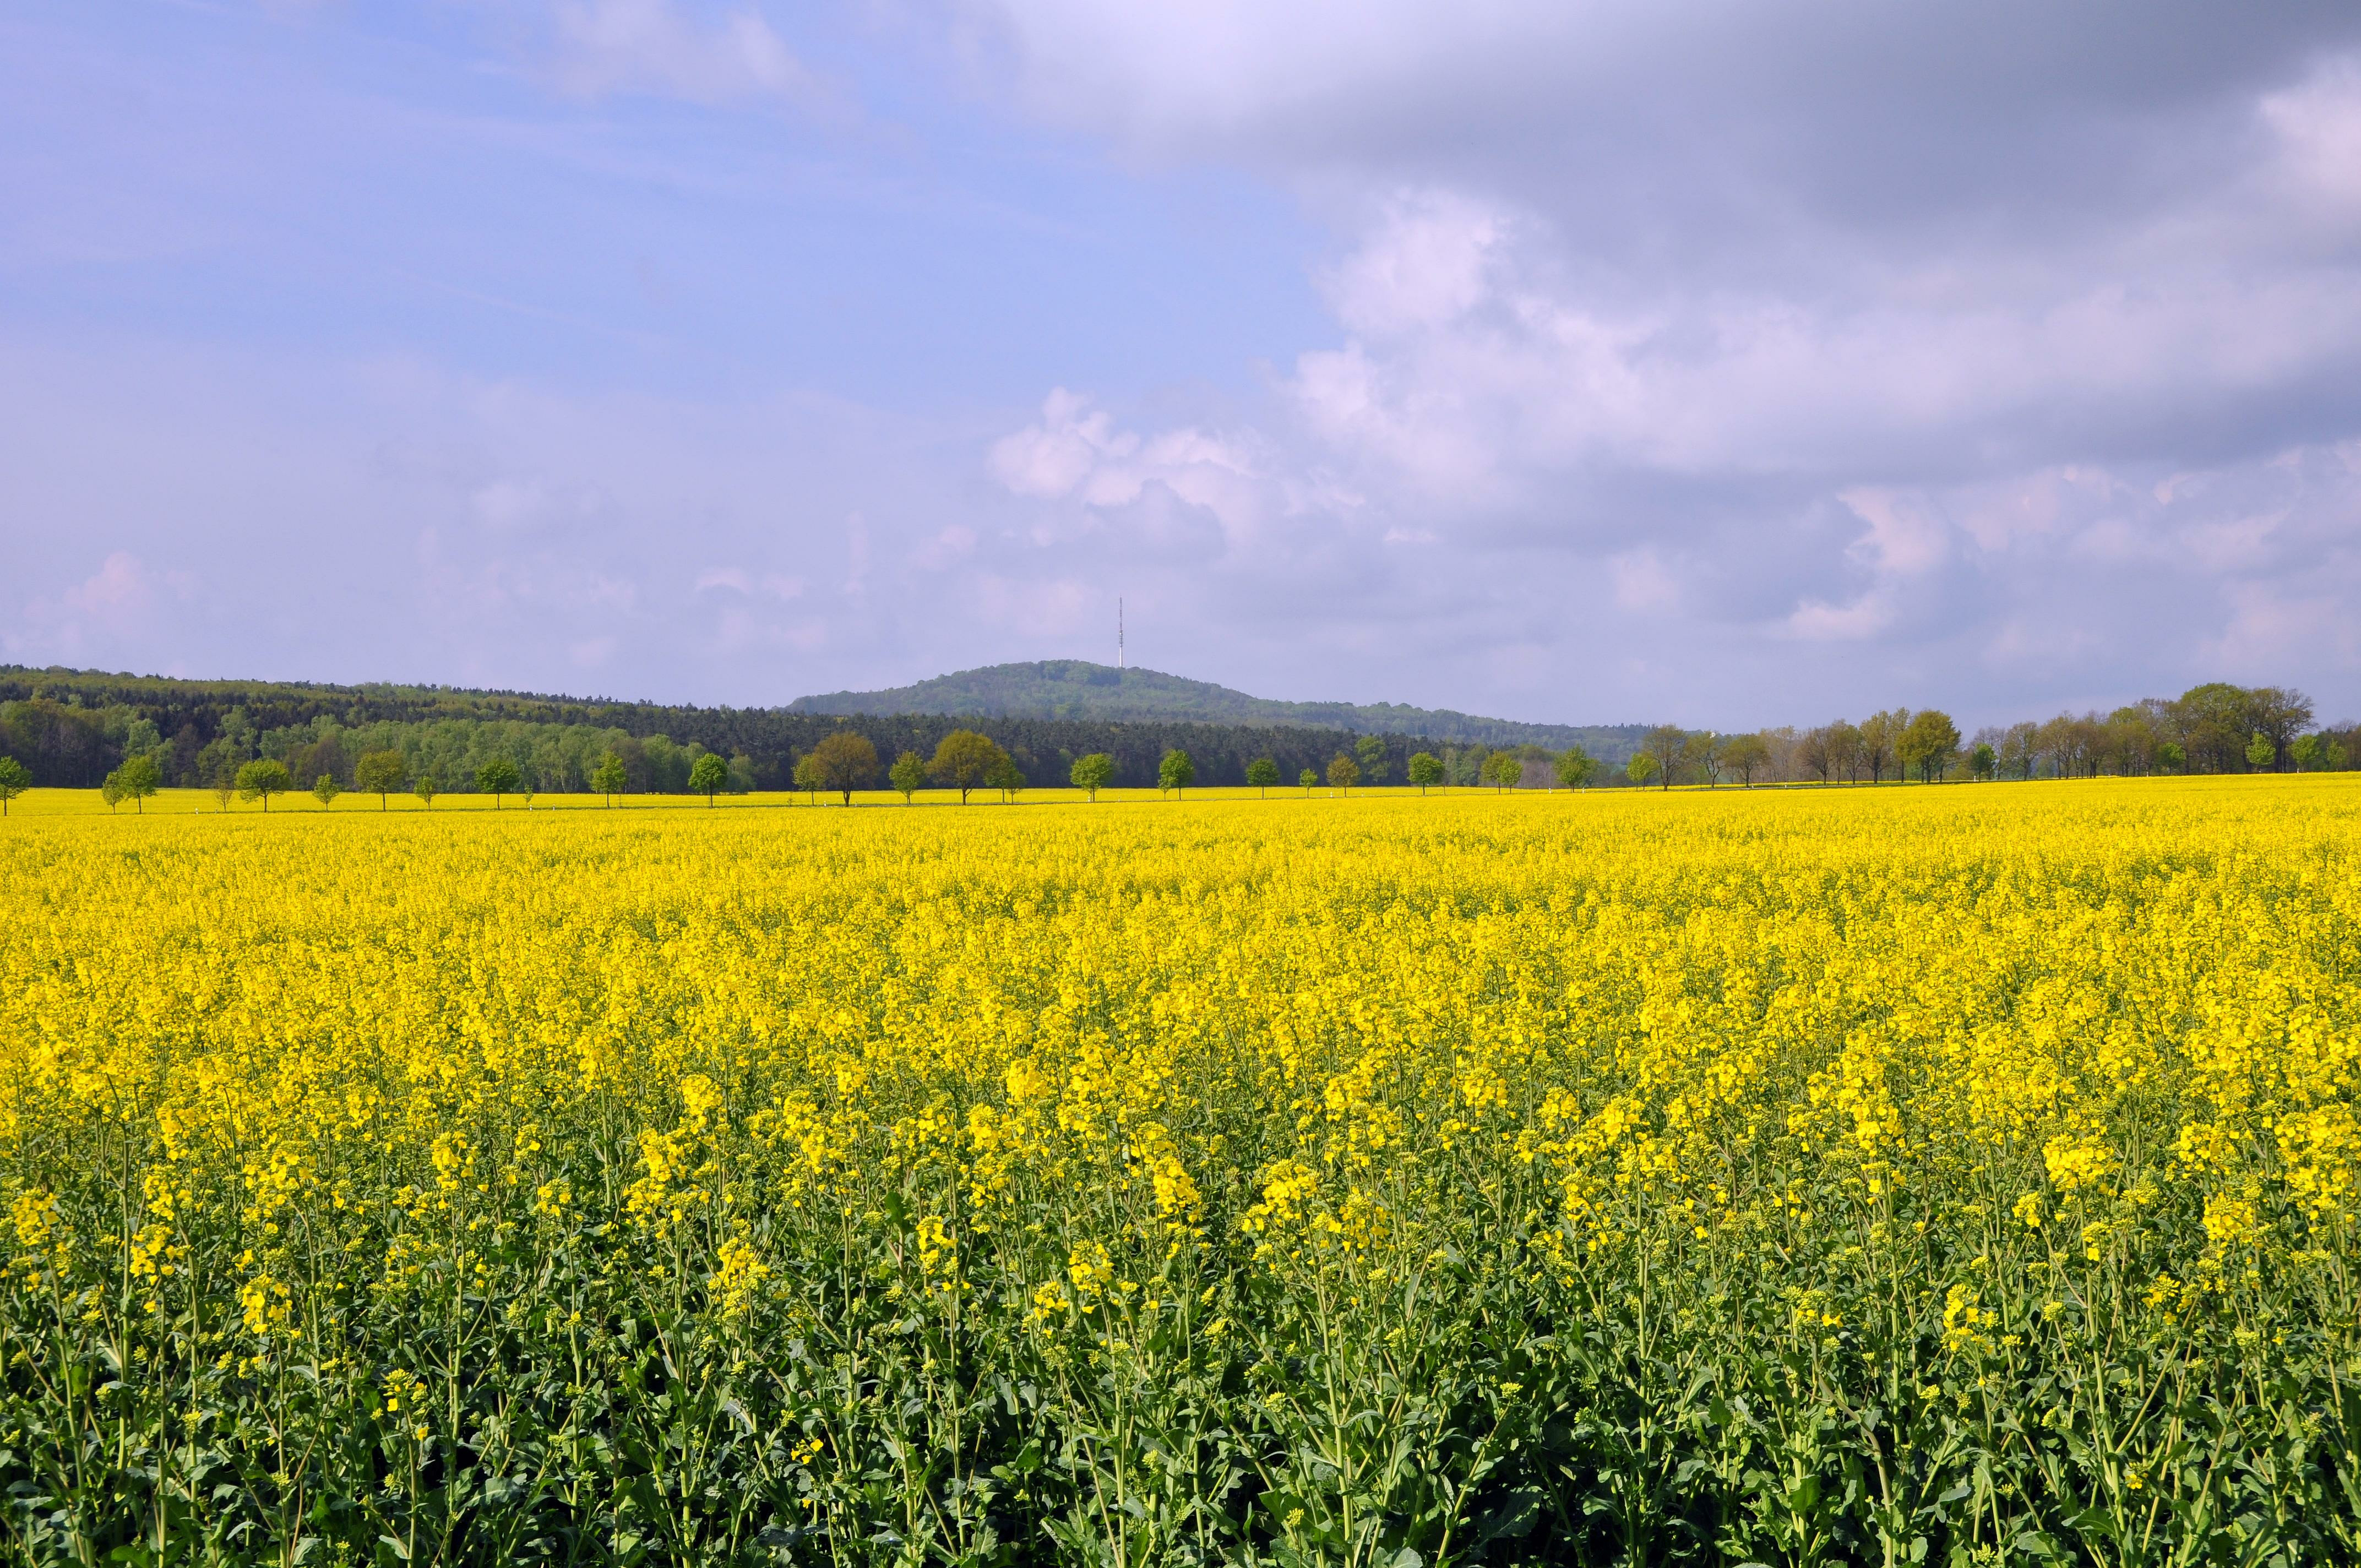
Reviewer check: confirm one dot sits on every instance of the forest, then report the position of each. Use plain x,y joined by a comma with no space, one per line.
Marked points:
71,729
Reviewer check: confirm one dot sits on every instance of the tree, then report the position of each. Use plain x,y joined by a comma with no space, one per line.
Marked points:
1369,752
426,787
1844,749
1309,779
1343,773
963,760
2260,752
324,789
1503,770
609,777
110,789
2170,756
1879,732
1641,768
1006,777
1928,743
2277,713
1663,746
139,778
1701,757
14,782
1262,772
807,776
498,777
1816,753
1983,761
1746,755
708,776
1176,772
381,773
1091,773
1425,769
908,771
2308,752
262,779
1575,768
844,762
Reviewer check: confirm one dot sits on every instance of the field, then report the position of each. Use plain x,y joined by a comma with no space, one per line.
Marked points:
1906,1176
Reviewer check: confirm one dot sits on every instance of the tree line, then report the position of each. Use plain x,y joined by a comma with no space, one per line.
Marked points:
57,732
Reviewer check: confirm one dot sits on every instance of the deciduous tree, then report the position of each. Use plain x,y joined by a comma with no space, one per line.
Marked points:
1746,755
963,761
1309,779
496,777
1006,777
1369,753
426,788
1503,770
1662,745
1643,767
1425,770
381,773
14,782
1262,772
1928,743
844,762
1177,771
609,777
324,789
262,779
908,771
1091,773
1343,773
708,776
141,778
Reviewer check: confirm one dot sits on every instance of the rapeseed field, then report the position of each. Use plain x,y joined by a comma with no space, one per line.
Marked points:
1940,1175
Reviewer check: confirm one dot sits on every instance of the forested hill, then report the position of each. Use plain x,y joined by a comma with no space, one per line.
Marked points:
70,727
1076,688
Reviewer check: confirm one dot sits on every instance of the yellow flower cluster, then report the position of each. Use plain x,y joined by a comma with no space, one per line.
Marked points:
304,1080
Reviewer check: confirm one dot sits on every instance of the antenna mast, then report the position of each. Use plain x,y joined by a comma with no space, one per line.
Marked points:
1118,634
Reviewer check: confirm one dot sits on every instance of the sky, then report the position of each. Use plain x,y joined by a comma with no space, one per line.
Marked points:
1724,364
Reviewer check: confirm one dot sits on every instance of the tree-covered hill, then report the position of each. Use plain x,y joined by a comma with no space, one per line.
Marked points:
1076,688
70,727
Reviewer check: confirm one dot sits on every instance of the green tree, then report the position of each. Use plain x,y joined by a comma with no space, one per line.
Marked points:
708,776
1262,772
908,773
2170,756
141,778
1879,733
498,777
1309,779
1425,770
324,789
1983,761
426,788
2308,751
380,774
1643,767
1503,770
1006,777
845,761
609,777
1575,768
110,789
809,777
1176,772
1343,774
1746,755
1092,773
963,761
14,782
1663,745
1701,757
2260,752
1369,752
1928,743
262,779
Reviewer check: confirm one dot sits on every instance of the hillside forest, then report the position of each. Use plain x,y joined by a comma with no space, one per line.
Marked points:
69,729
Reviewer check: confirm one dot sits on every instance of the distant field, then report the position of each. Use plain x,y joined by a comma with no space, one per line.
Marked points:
1926,1176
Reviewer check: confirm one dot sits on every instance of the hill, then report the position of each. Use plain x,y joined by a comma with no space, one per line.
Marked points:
1077,689
70,727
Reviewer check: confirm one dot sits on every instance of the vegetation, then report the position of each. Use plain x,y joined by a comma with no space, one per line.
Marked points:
907,776
1948,1176
382,773
708,776
843,762
1177,771
1263,773
1093,773
498,776
324,789
262,779
1078,690
13,780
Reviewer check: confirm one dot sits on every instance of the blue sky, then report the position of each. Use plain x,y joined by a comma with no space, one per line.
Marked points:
1717,362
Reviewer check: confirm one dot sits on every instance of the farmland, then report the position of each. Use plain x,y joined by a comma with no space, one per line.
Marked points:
1941,1174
